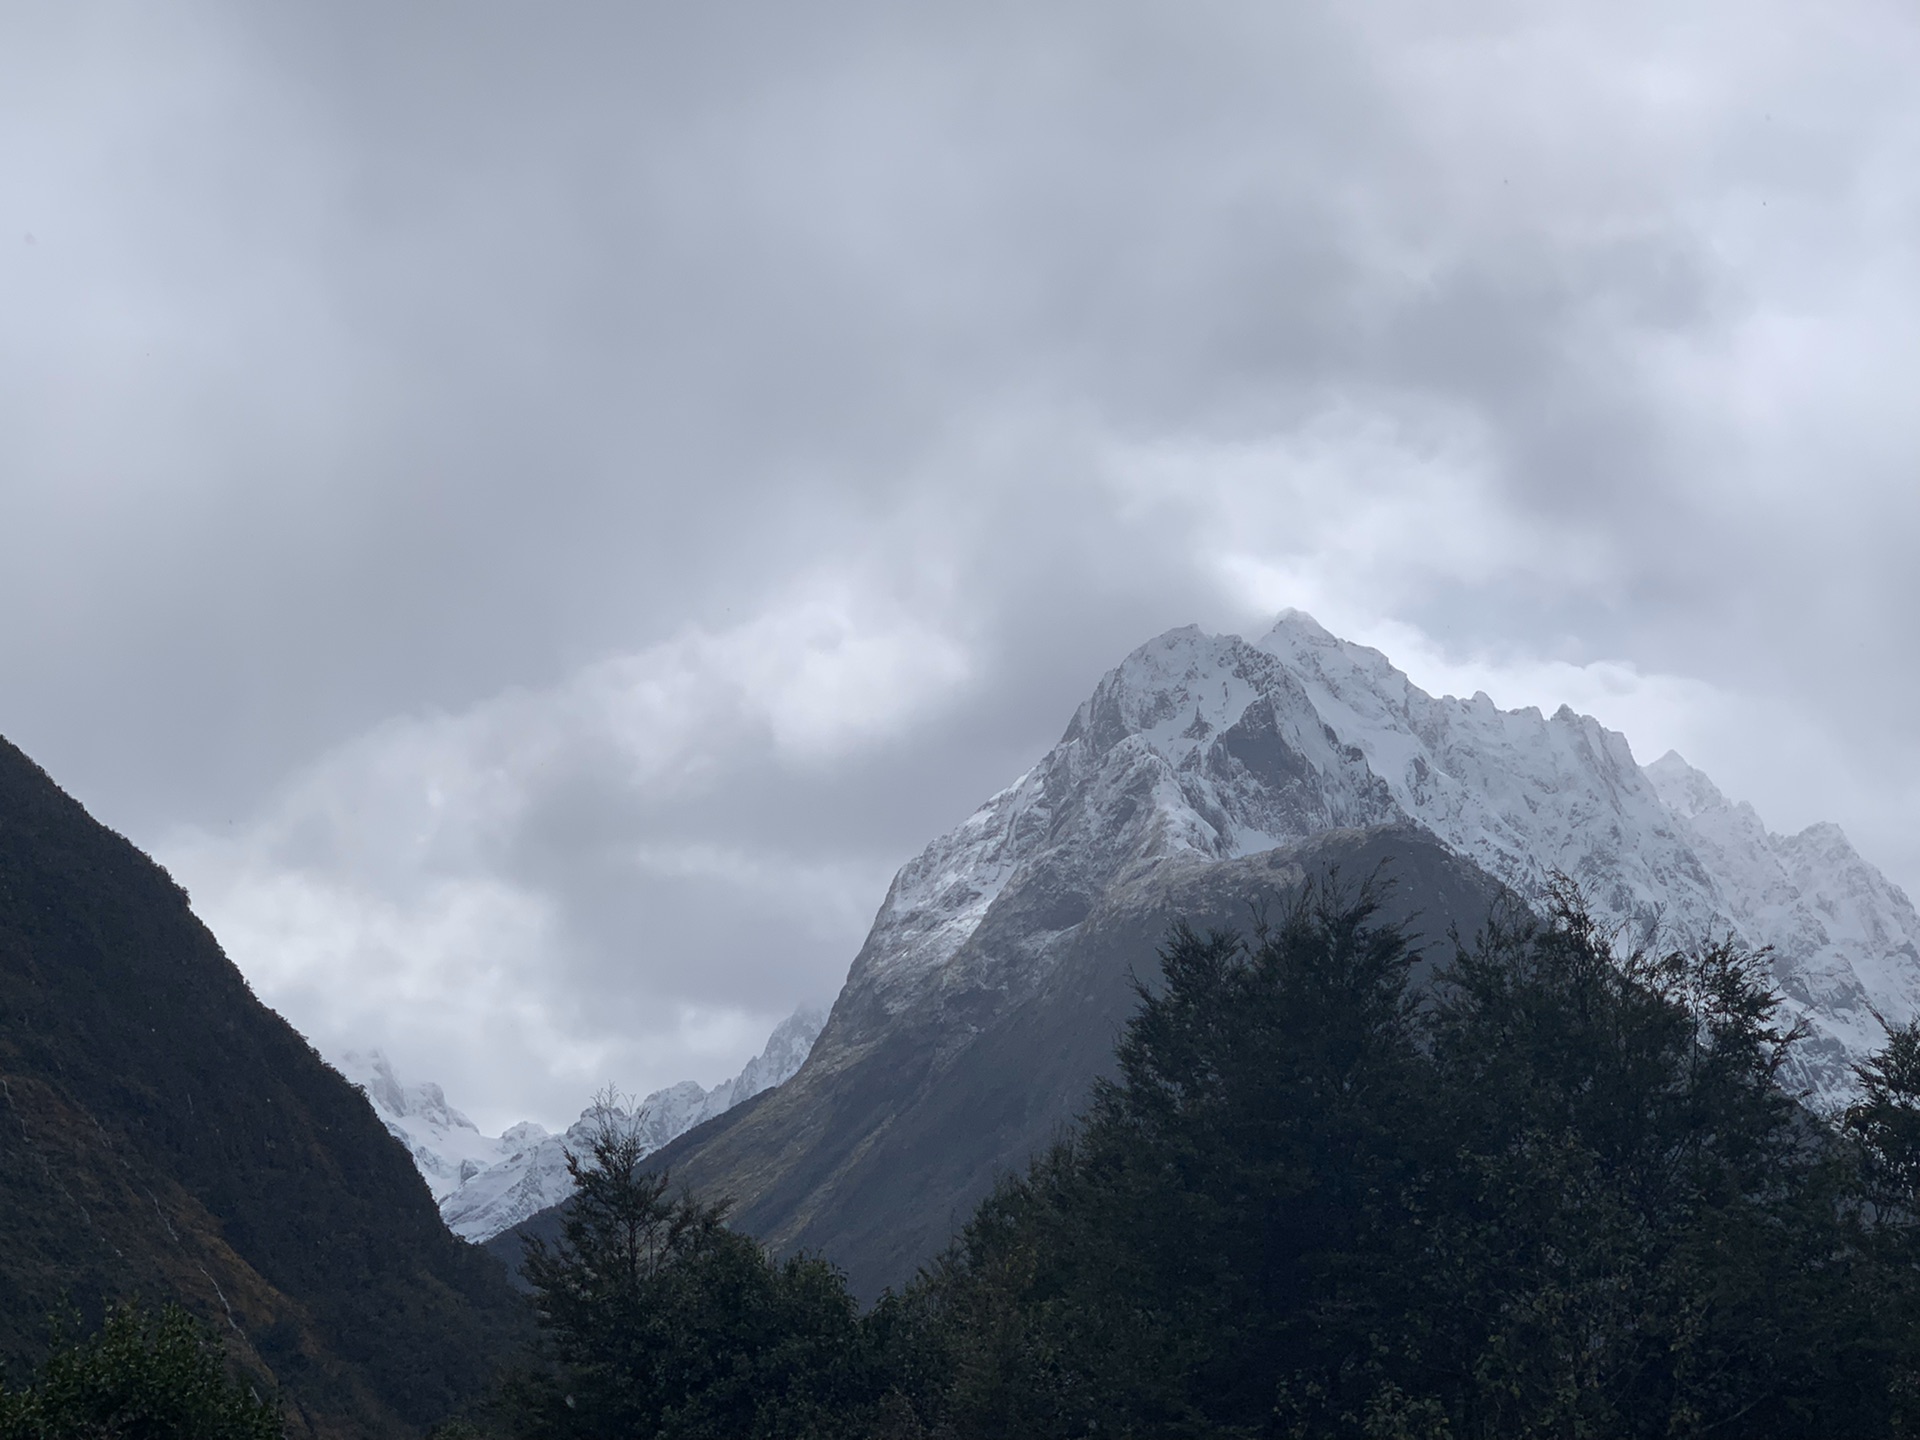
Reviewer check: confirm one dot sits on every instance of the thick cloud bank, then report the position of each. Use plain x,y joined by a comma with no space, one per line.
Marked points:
536,512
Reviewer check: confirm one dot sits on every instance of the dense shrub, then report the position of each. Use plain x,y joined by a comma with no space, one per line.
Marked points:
141,1376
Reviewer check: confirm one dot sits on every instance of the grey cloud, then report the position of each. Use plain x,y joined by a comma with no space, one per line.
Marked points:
375,361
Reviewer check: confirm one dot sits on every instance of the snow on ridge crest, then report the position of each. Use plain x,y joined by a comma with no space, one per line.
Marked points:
1211,746
447,1148
1658,848
1520,794
1195,743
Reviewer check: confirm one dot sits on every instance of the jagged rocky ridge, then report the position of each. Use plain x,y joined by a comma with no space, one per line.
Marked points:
1210,746
1203,774
485,1184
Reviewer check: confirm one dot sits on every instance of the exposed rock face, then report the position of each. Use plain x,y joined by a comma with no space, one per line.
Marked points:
1204,773
163,1133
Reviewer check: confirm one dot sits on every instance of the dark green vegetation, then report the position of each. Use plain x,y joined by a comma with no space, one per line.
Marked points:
659,1320
145,1377
163,1134
1555,1196
1540,1193
879,1150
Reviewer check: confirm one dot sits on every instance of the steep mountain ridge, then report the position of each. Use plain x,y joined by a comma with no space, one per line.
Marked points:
1847,936
1658,849
1195,744
1211,746
163,1133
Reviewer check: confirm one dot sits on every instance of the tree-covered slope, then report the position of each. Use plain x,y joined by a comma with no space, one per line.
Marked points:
162,1132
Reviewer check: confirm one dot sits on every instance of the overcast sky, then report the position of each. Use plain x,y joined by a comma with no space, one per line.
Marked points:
534,511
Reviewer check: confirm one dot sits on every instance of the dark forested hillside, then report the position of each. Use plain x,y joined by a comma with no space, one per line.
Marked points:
163,1133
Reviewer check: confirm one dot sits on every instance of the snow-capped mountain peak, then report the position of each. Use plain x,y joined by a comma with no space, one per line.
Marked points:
447,1147
1203,775
1195,744
1686,791
1210,747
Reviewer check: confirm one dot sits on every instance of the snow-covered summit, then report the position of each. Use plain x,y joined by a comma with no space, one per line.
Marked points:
1209,747
1195,744
447,1147
1202,748
486,1184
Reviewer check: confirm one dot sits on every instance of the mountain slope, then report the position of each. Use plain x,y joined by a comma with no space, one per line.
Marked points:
162,1132
1213,747
879,1148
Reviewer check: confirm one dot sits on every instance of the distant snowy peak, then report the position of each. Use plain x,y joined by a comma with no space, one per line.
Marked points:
785,1052
1211,747
525,1169
447,1148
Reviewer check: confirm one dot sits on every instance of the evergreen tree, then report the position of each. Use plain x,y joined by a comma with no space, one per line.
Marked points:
1555,1191
1228,1217
660,1321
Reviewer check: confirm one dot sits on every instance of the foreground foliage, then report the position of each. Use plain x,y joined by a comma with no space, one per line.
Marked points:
660,1321
1543,1190
141,1376
1551,1194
